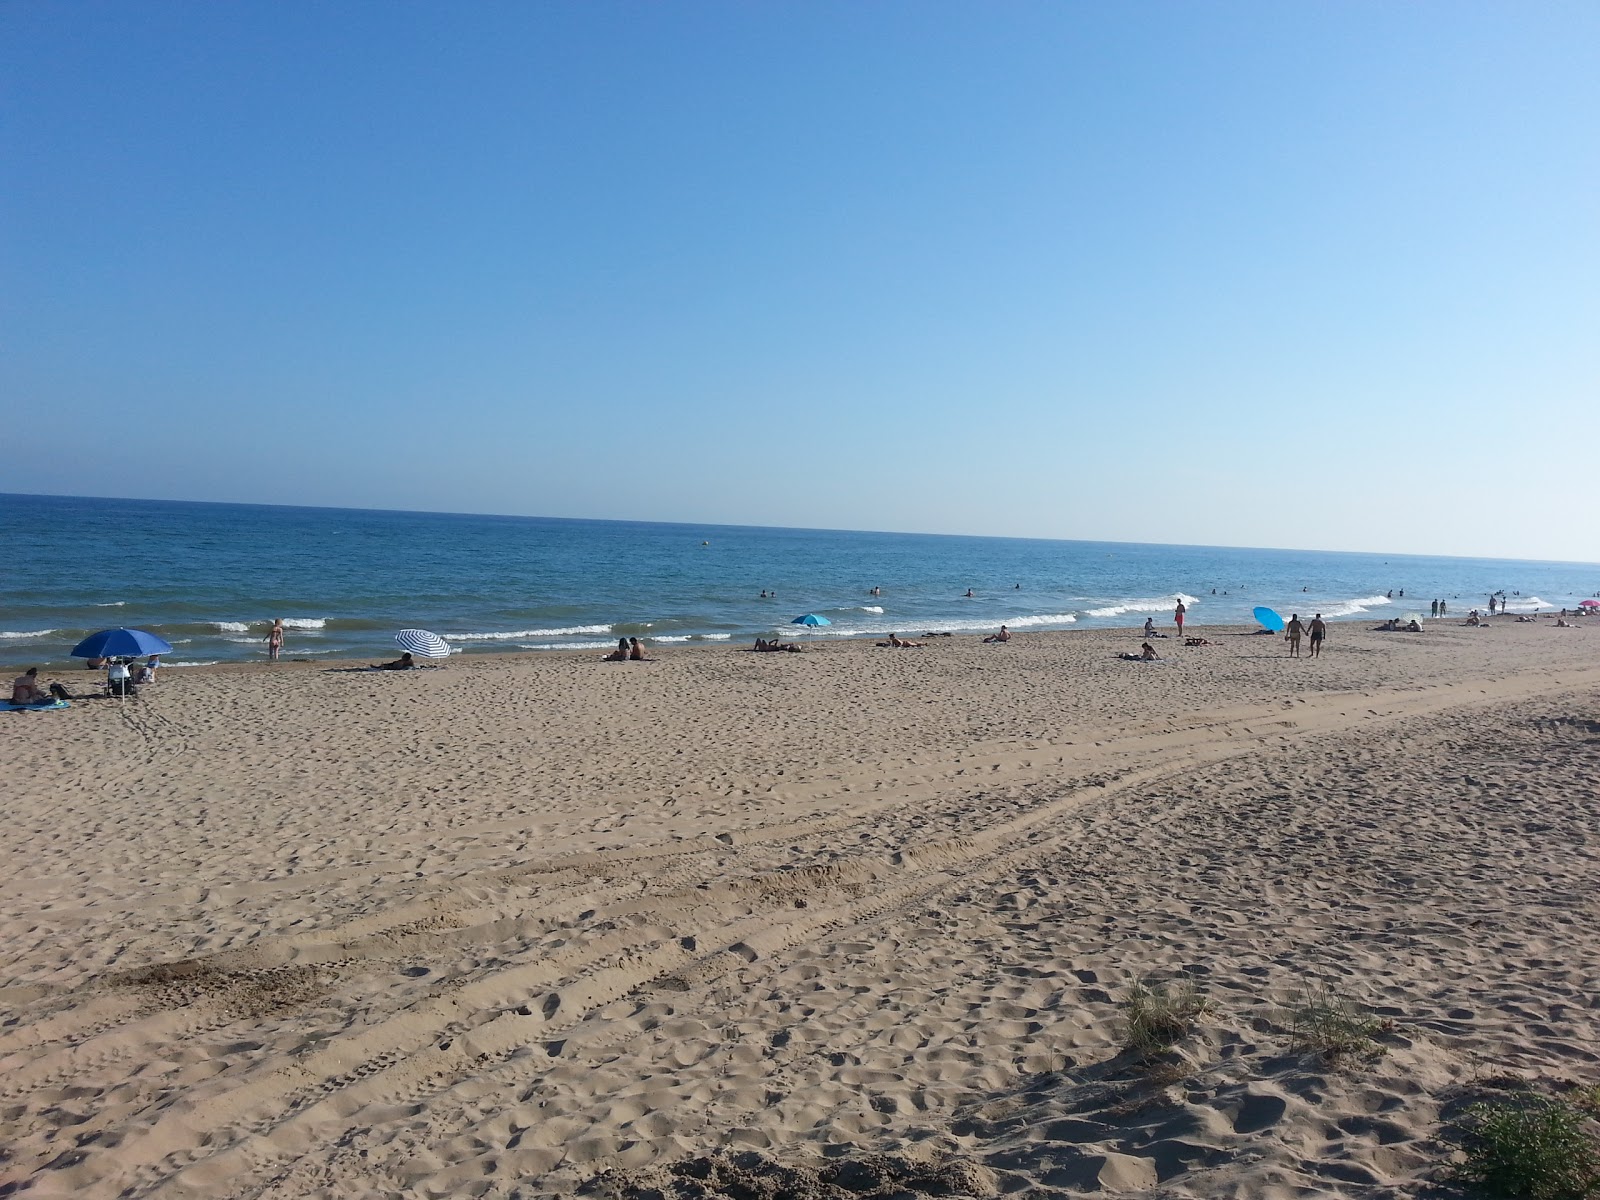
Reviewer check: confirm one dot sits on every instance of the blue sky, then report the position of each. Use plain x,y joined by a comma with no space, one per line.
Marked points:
1306,275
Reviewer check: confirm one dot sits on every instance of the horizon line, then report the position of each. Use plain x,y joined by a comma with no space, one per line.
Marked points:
432,512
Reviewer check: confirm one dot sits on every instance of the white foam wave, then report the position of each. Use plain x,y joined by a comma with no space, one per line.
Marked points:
210,662
1052,619
570,631
1144,605
304,622
665,638
232,626
872,608
110,604
13,635
567,646
1349,608
1523,604
715,637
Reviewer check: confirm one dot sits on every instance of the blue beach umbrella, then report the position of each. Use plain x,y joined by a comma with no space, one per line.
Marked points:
811,619
120,643
1270,619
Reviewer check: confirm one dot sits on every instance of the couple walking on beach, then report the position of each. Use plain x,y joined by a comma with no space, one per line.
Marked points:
1318,630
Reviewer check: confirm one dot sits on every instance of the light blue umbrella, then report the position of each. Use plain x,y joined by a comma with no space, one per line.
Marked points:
120,643
811,619
1269,619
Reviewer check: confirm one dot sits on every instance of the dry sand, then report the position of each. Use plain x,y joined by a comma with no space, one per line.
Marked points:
497,929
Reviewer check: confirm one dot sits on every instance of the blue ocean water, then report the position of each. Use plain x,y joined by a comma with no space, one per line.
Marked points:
211,577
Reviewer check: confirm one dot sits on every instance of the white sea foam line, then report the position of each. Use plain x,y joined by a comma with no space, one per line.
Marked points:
872,608
304,622
1150,604
1522,604
231,626
210,662
524,633
1025,622
567,646
26,633
1349,608
110,604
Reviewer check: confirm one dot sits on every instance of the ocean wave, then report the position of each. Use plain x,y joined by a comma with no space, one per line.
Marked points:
714,637
231,626
210,662
1144,605
1053,619
110,604
525,633
1524,604
872,608
567,646
1350,608
14,635
304,622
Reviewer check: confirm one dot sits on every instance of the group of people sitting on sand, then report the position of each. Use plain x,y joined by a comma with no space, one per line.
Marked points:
1397,625
629,649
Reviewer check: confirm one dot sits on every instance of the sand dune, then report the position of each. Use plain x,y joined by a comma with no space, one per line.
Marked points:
534,923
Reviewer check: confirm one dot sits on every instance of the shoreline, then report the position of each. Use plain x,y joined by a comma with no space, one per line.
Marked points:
72,667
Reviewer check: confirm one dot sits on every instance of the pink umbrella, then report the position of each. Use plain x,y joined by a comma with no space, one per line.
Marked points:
1589,603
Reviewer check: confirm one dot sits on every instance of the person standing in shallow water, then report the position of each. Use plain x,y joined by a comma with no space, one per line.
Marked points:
275,639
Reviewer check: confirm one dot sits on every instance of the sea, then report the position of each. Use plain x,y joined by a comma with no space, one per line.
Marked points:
210,579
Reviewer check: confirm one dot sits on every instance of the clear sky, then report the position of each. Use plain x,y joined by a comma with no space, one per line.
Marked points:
1307,275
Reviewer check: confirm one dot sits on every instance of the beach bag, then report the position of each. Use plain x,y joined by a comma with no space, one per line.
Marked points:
59,692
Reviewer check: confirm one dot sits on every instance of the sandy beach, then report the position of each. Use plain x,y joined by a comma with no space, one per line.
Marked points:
530,924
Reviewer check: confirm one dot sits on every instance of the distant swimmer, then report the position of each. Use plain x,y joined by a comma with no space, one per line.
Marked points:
970,596
1018,587
877,591
763,595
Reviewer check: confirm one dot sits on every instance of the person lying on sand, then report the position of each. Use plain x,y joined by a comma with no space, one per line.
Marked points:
1197,641
1147,653
763,646
900,643
1003,636
403,663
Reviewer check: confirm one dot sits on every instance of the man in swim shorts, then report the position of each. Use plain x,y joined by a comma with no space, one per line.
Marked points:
1318,632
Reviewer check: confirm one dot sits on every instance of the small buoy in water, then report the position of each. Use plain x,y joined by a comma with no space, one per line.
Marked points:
705,543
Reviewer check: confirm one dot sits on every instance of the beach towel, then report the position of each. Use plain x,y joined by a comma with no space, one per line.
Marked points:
10,707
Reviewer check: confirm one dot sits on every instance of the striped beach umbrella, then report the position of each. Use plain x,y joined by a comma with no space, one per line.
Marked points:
422,643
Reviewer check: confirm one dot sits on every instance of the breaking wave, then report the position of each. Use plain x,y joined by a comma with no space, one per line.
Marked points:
1150,605
512,636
